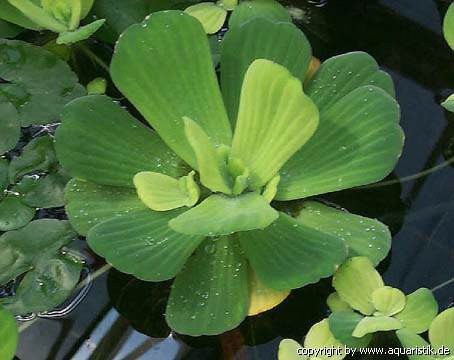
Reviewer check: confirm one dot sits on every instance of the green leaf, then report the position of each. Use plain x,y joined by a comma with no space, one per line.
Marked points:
4,165
89,204
101,142
269,9
210,295
25,249
38,154
40,82
442,329
358,142
97,86
448,26
222,215
320,337
342,324
140,243
275,119
420,310
9,334
355,281
210,15
11,14
242,45
82,33
448,104
228,4
212,167
335,303
9,127
46,192
364,236
288,255
161,192
372,324
14,213
49,284
288,350
8,29
340,75
388,300
164,68
410,340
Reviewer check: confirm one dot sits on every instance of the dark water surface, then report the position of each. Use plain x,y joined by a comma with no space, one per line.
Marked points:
405,38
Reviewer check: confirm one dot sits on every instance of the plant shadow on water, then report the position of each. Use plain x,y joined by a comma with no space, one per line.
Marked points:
405,38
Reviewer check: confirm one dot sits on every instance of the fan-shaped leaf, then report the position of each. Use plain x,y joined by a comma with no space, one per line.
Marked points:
165,69
342,324
388,300
308,255
358,141
288,350
320,337
355,281
210,15
420,309
409,339
89,204
335,303
448,26
269,9
441,331
9,127
372,324
448,104
275,119
210,295
364,236
222,215
251,41
14,213
101,142
140,243
9,13
9,334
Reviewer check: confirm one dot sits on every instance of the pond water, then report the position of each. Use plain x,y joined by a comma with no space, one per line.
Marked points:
122,318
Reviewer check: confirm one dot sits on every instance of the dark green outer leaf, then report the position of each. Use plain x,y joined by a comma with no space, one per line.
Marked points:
9,13
14,213
282,43
343,323
4,165
41,83
141,243
9,127
210,295
9,30
288,254
46,192
101,142
8,334
269,9
164,68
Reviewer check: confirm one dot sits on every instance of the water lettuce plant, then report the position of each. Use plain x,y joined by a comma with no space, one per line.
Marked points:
363,305
197,198
37,251
8,334
60,16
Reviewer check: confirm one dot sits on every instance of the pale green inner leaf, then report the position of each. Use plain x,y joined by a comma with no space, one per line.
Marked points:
372,324
442,329
388,301
288,350
320,337
448,26
210,15
82,33
409,339
335,303
9,334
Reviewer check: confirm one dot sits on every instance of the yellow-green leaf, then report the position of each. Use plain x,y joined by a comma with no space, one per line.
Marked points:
210,15
441,331
388,300
372,324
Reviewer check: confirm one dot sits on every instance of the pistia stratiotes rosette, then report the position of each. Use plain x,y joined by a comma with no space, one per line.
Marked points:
193,198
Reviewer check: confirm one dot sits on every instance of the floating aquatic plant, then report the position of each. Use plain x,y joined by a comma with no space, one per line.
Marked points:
60,16
363,305
197,198
8,334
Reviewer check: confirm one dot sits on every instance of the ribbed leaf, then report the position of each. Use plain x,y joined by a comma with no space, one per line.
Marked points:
342,324
340,75
448,26
282,43
448,104
3,176
300,255
210,15
262,298
165,69
9,334
89,204
442,329
420,310
364,236
372,324
100,142
222,215
140,243
14,213
9,127
358,141
275,119
45,192
82,33
355,281
320,337
212,167
162,192
409,339
210,295
269,9
335,303
9,13
288,350
388,300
